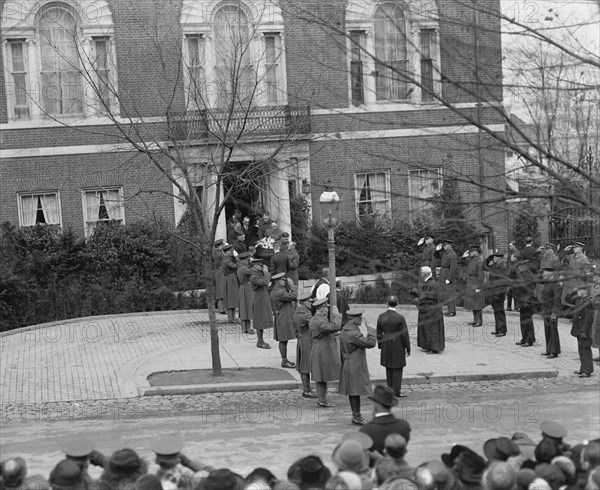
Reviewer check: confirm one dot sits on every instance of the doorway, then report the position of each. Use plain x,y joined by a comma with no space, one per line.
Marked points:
247,195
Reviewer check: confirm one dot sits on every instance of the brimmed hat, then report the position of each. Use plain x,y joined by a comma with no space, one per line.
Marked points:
304,296
312,470
256,261
67,473
124,460
469,467
13,472
528,239
244,255
475,247
551,474
384,395
227,247
579,244
447,240
363,439
553,246
78,447
350,456
525,443
218,242
553,429
497,253
320,302
354,312
279,275
500,449
455,452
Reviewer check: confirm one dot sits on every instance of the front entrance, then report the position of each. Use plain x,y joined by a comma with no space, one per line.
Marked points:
247,195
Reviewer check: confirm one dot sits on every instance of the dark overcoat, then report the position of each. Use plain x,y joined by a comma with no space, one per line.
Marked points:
448,270
244,274
430,320
529,252
219,275
284,305
392,339
293,264
428,257
279,263
475,280
325,354
495,289
232,287
263,314
381,427
354,374
302,317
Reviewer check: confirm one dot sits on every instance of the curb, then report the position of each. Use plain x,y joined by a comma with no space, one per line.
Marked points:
295,385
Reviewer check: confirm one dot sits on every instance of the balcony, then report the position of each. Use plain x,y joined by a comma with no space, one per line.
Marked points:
258,121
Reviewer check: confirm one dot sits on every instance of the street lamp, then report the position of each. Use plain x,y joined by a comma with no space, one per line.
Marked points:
329,203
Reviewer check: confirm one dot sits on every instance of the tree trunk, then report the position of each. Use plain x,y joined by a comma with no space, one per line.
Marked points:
212,314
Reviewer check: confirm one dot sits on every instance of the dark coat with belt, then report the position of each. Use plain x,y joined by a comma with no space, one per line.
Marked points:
302,317
381,427
449,266
392,339
325,354
583,318
354,374
219,275
263,314
232,287
284,305
495,289
279,263
430,321
244,274
475,280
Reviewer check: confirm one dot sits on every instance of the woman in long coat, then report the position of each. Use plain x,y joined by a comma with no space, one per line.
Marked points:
232,287
263,314
219,275
325,354
244,273
430,320
302,317
474,298
354,375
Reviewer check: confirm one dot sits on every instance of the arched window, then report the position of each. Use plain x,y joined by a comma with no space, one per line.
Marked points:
391,52
232,57
60,61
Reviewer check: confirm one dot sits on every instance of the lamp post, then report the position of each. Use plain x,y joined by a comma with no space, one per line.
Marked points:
329,203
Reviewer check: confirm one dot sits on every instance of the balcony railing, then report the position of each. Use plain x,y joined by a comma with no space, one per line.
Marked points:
257,121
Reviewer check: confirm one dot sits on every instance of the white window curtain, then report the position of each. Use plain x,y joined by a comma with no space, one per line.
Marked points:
47,203
378,193
50,208
112,203
28,210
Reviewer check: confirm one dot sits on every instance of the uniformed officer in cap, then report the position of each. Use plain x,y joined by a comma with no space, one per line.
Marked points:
325,354
82,452
176,470
354,375
496,289
448,276
283,298
554,432
302,317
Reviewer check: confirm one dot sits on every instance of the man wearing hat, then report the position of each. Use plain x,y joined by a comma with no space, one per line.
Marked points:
468,468
428,252
173,463
219,275
240,244
512,257
474,299
549,256
279,260
354,375
244,273
302,317
232,288
430,321
293,262
554,432
496,289
550,306
447,277
524,288
283,299
581,329
384,422
578,265
529,253
82,452
352,457
262,311
394,343
325,354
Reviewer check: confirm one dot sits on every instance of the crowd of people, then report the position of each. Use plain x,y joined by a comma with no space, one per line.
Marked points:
375,457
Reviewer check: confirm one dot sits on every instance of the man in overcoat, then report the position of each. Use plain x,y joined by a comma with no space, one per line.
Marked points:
283,299
496,290
279,260
293,262
582,328
232,288
530,253
448,275
250,231
325,354
430,320
578,265
524,289
474,299
240,244
302,317
512,258
354,375
384,422
550,307
219,275
263,313
394,343
244,273
428,253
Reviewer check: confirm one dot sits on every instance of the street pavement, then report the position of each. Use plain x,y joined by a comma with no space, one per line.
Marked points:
110,358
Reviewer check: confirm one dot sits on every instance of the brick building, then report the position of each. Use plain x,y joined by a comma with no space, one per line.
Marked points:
89,85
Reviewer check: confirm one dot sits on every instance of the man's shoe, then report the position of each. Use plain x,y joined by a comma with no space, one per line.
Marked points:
500,335
287,364
325,405
584,375
545,354
309,394
358,420
250,332
527,344
433,352
577,372
449,314
477,325
520,343
472,323
552,356
263,345
401,395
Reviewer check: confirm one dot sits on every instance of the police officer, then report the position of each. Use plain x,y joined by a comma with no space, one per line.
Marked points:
496,289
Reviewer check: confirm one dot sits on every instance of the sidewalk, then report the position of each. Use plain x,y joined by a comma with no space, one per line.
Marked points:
111,357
